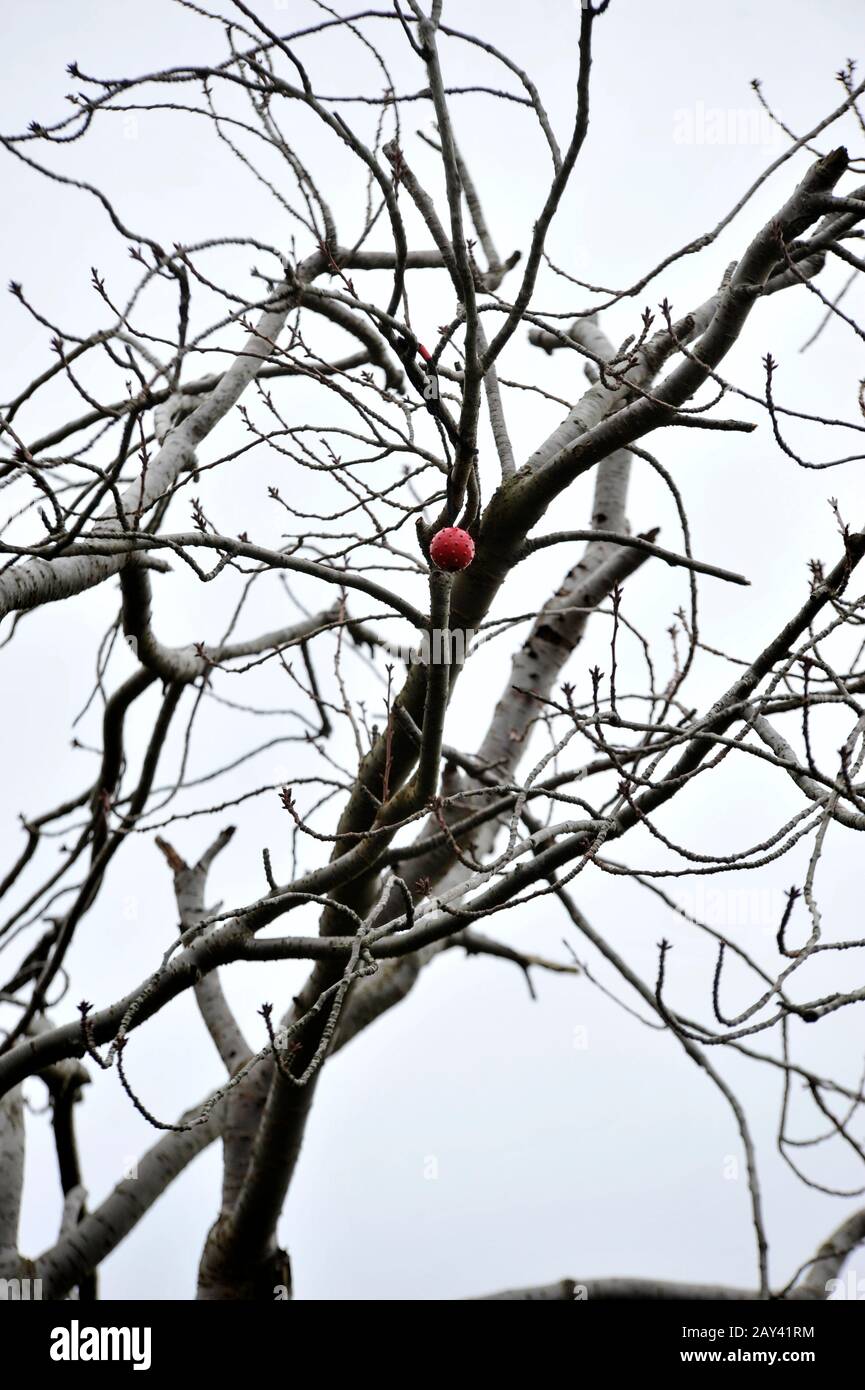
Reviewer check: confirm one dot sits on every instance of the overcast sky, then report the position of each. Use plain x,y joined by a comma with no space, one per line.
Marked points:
471,1140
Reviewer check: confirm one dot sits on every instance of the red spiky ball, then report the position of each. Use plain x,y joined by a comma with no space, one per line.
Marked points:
452,549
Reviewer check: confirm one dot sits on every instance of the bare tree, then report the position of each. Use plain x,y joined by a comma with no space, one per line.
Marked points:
406,842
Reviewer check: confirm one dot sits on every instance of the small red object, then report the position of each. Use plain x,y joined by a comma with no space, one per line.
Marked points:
452,549
424,352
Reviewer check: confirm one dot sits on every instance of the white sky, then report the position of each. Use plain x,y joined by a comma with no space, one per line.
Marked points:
552,1159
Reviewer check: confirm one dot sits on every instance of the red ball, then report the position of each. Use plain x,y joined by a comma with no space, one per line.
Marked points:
452,549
